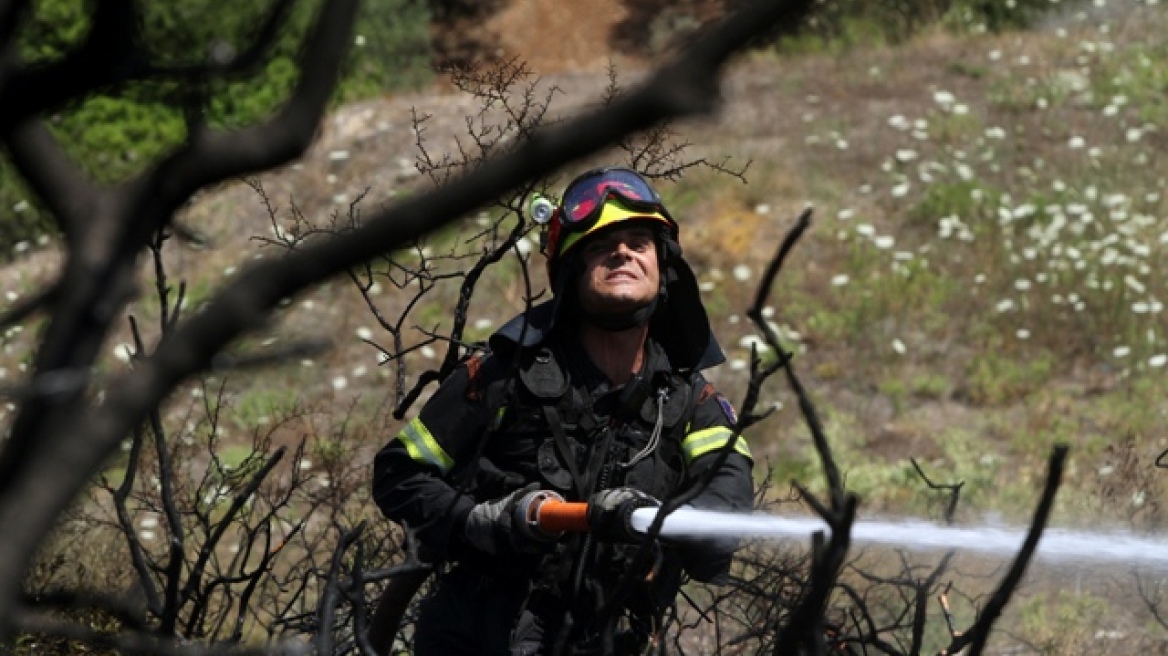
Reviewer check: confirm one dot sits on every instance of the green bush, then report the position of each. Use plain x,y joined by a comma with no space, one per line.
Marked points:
24,218
834,25
970,201
998,378
113,138
120,132
994,15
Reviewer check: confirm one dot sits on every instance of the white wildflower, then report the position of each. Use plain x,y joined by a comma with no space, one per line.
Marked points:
754,341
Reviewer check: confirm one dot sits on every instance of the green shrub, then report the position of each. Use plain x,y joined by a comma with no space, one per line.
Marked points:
835,25
994,15
929,386
997,378
120,132
1061,622
261,406
24,217
968,200
115,137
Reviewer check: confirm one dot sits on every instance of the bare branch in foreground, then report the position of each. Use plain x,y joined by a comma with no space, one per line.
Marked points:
58,441
976,636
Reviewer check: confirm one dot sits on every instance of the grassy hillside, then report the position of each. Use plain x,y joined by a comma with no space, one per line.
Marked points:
984,277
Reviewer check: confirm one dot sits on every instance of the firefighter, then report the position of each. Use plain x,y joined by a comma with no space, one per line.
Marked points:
595,395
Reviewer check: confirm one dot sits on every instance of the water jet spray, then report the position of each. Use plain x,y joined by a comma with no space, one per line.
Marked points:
554,516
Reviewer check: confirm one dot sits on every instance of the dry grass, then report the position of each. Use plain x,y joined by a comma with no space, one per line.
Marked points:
913,341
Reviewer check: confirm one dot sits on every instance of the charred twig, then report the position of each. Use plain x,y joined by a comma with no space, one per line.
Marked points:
953,489
975,637
943,600
332,593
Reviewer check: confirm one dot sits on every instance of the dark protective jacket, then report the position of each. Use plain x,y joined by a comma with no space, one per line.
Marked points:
535,409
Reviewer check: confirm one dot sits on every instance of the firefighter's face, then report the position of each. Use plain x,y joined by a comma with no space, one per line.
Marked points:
620,270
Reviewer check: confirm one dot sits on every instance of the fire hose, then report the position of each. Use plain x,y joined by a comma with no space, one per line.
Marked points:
548,513
540,514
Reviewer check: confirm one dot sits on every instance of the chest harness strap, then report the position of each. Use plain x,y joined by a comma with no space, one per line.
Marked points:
564,447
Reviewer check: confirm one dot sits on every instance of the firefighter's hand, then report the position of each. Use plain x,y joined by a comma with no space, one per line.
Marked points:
497,525
610,513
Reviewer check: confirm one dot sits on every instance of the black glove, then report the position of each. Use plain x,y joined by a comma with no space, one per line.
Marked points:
500,524
610,513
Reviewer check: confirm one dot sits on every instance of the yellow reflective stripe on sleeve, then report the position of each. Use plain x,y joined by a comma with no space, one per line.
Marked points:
423,447
706,440
499,415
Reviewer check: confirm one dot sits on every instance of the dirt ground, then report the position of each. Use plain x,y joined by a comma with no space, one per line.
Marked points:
585,35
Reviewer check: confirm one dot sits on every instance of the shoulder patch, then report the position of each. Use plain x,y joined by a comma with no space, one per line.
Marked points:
707,391
727,407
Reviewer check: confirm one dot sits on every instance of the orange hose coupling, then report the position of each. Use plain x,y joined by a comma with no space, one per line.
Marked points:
557,515
545,514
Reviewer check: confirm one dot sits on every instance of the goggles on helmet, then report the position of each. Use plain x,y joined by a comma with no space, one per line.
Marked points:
584,199
601,197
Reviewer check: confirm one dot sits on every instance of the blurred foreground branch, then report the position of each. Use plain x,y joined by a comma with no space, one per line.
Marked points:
60,438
